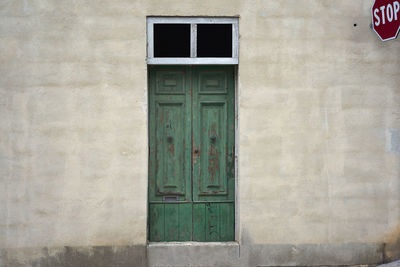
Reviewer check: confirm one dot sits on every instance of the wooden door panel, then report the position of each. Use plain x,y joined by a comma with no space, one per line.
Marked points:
169,133
213,125
170,222
156,222
170,148
170,82
213,133
213,222
213,82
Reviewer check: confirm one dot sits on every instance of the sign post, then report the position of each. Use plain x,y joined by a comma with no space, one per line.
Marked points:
386,18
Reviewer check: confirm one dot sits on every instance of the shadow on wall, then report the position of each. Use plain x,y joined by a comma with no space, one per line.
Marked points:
391,249
312,254
212,254
121,256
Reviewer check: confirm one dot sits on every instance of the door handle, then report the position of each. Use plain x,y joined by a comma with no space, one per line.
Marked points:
169,138
213,138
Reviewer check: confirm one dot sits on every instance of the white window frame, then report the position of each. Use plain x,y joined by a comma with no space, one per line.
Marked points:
192,60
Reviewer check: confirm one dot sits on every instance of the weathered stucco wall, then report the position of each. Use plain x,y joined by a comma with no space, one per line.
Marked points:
318,136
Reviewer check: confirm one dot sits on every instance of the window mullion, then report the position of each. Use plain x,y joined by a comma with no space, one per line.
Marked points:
193,40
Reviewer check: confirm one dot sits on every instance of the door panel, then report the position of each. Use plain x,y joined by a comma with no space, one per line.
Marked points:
212,176
191,155
213,82
213,222
169,134
170,81
213,134
170,222
170,148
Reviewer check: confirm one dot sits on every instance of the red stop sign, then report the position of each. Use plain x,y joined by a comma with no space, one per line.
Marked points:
386,18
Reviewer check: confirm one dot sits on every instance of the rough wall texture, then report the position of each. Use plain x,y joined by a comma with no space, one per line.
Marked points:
318,136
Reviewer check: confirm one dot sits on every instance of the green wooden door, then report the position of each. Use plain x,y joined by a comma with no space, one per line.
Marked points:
192,154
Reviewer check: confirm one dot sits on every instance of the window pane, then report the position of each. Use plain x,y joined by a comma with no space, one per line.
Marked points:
171,40
214,40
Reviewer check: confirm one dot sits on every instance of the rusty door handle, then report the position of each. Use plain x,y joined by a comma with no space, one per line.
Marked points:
213,138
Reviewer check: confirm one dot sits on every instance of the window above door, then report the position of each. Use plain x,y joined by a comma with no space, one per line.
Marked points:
192,40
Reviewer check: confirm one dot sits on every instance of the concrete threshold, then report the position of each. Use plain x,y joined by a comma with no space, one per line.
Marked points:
192,243
193,254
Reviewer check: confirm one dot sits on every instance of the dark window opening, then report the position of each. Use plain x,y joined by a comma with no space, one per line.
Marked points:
214,40
171,40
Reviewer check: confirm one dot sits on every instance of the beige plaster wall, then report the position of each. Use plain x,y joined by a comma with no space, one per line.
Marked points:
319,123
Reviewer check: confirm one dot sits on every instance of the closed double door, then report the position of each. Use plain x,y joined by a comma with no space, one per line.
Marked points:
192,154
